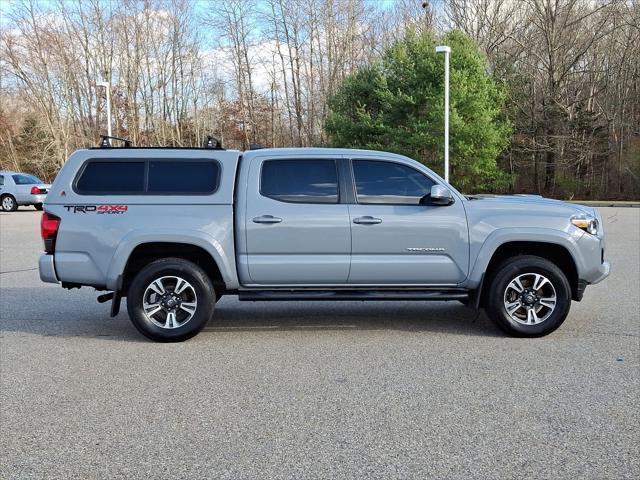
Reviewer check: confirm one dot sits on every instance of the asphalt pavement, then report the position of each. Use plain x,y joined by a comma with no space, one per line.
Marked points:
317,390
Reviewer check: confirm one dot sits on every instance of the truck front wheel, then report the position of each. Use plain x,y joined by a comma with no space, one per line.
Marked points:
529,296
170,300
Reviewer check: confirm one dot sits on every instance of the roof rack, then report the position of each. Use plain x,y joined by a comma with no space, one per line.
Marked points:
105,141
211,143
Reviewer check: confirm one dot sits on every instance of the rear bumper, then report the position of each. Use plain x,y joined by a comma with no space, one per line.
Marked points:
32,199
47,269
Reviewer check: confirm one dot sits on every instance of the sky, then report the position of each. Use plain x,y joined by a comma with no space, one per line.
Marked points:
211,50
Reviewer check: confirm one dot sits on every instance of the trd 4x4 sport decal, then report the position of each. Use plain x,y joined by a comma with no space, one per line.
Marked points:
99,209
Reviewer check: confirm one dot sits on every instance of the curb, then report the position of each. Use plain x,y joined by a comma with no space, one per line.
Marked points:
604,203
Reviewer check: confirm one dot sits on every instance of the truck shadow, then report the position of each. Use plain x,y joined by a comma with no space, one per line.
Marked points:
442,317
82,317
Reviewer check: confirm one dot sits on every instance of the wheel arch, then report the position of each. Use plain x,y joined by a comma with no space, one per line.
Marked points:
139,248
557,253
145,253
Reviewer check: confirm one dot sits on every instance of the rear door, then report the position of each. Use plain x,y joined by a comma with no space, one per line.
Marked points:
395,238
297,226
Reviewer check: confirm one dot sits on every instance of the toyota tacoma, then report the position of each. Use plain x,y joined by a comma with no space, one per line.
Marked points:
175,229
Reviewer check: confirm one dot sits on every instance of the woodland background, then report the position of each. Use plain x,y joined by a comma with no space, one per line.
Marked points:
268,71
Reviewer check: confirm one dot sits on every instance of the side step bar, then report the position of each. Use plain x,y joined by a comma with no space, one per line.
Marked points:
276,295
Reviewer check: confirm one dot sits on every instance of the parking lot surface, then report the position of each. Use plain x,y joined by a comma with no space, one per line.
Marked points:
317,390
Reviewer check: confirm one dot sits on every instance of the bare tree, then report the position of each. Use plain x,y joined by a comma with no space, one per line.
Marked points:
262,71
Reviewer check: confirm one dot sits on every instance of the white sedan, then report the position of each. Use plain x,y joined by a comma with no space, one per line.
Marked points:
21,189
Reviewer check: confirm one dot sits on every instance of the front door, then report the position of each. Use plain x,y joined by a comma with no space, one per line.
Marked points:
297,229
398,240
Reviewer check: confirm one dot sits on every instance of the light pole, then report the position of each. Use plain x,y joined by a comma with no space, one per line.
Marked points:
446,50
108,87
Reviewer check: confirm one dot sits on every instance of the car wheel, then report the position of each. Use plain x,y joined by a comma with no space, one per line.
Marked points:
529,296
38,206
8,203
170,300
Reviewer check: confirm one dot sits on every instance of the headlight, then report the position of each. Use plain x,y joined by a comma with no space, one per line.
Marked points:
586,222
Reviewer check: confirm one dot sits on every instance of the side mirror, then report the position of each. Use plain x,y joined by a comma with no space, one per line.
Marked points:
440,195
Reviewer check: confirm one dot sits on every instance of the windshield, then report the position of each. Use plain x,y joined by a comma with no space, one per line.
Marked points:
25,179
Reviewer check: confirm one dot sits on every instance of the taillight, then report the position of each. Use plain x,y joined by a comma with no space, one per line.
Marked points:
49,230
35,190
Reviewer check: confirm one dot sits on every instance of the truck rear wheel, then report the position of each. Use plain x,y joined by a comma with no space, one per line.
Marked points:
170,300
529,296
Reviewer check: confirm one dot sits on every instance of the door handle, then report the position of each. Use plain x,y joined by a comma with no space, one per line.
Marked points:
267,219
367,220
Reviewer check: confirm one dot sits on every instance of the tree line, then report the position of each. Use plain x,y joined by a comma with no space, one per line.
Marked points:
274,72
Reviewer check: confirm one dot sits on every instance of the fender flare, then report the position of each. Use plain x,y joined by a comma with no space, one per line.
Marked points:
502,236
196,238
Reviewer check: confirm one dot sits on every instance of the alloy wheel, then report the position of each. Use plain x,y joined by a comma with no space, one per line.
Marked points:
530,299
169,302
7,203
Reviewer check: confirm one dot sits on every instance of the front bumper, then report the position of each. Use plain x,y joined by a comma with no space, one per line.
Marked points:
592,267
601,273
47,269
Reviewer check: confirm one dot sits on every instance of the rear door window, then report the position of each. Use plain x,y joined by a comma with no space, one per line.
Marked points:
103,177
300,181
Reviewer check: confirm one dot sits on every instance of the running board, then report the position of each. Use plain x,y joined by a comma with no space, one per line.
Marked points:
285,295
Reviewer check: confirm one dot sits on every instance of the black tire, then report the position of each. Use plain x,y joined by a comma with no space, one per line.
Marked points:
8,203
168,267
37,206
513,268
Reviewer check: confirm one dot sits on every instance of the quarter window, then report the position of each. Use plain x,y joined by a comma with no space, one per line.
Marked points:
300,181
392,183
99,178
1,180
183,177
150,177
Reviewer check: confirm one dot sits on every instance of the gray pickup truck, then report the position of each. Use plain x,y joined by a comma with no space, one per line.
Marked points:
174,229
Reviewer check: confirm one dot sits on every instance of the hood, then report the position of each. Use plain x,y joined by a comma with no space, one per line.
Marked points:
529,200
